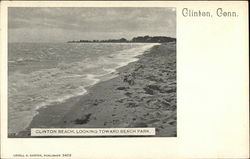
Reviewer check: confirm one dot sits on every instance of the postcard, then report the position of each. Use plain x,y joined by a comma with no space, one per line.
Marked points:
124,79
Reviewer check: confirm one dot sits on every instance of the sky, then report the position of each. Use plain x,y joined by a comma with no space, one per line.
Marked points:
81,23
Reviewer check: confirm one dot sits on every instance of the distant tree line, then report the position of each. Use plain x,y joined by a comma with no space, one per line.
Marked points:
154,39
139,39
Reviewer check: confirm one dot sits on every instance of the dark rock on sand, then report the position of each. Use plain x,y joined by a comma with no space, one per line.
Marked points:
122,88
83,120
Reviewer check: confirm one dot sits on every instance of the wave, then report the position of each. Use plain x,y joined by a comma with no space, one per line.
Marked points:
22,60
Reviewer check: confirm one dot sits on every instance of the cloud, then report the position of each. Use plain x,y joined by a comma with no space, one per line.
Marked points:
98,22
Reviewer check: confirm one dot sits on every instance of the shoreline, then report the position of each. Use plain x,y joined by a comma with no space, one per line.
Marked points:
143,94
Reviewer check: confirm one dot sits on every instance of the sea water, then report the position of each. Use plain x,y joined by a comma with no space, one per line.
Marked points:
42,74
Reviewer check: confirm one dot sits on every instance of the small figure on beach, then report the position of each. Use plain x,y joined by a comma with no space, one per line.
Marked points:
130,79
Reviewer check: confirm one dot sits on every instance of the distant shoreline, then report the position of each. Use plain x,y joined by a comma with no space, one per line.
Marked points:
139,39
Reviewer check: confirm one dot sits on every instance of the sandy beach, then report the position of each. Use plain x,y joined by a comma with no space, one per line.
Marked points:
143,94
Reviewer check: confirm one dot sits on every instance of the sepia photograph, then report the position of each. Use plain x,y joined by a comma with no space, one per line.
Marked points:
92,67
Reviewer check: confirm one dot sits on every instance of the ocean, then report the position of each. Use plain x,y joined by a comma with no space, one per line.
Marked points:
42,74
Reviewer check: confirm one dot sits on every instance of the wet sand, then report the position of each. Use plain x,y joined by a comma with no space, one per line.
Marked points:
142,95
